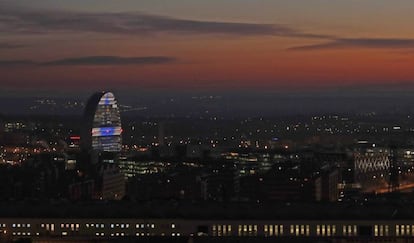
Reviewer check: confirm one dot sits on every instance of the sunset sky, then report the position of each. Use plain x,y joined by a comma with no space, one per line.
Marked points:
202,45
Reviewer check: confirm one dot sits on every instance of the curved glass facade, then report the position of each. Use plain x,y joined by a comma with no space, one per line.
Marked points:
106,125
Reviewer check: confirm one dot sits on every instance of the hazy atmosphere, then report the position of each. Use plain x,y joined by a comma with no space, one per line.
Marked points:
297,45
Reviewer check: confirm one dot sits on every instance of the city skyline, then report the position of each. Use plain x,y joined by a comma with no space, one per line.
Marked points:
219,46
201,121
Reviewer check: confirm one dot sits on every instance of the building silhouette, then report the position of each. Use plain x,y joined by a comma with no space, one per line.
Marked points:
101,134
101,143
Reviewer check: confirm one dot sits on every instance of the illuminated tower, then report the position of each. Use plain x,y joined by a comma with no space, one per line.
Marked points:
102,125
101,142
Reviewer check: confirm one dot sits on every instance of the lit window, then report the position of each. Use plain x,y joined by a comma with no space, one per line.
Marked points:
381,230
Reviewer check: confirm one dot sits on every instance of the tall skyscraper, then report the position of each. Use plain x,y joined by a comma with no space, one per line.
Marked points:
101,141
102,125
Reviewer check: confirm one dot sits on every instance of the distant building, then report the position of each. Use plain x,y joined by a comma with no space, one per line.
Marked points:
326,185
371,167
110,184
102,127
81,190
223,184
101,142
132,167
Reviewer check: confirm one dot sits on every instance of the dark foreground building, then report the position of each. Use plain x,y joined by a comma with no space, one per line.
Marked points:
161,222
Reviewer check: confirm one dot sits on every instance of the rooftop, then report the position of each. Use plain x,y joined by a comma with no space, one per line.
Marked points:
176,209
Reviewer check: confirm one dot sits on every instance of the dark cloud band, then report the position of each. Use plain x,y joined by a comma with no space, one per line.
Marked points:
26,21
5,45
384,43
93,60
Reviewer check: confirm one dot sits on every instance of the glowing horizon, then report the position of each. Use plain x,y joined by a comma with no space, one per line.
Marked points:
157,45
